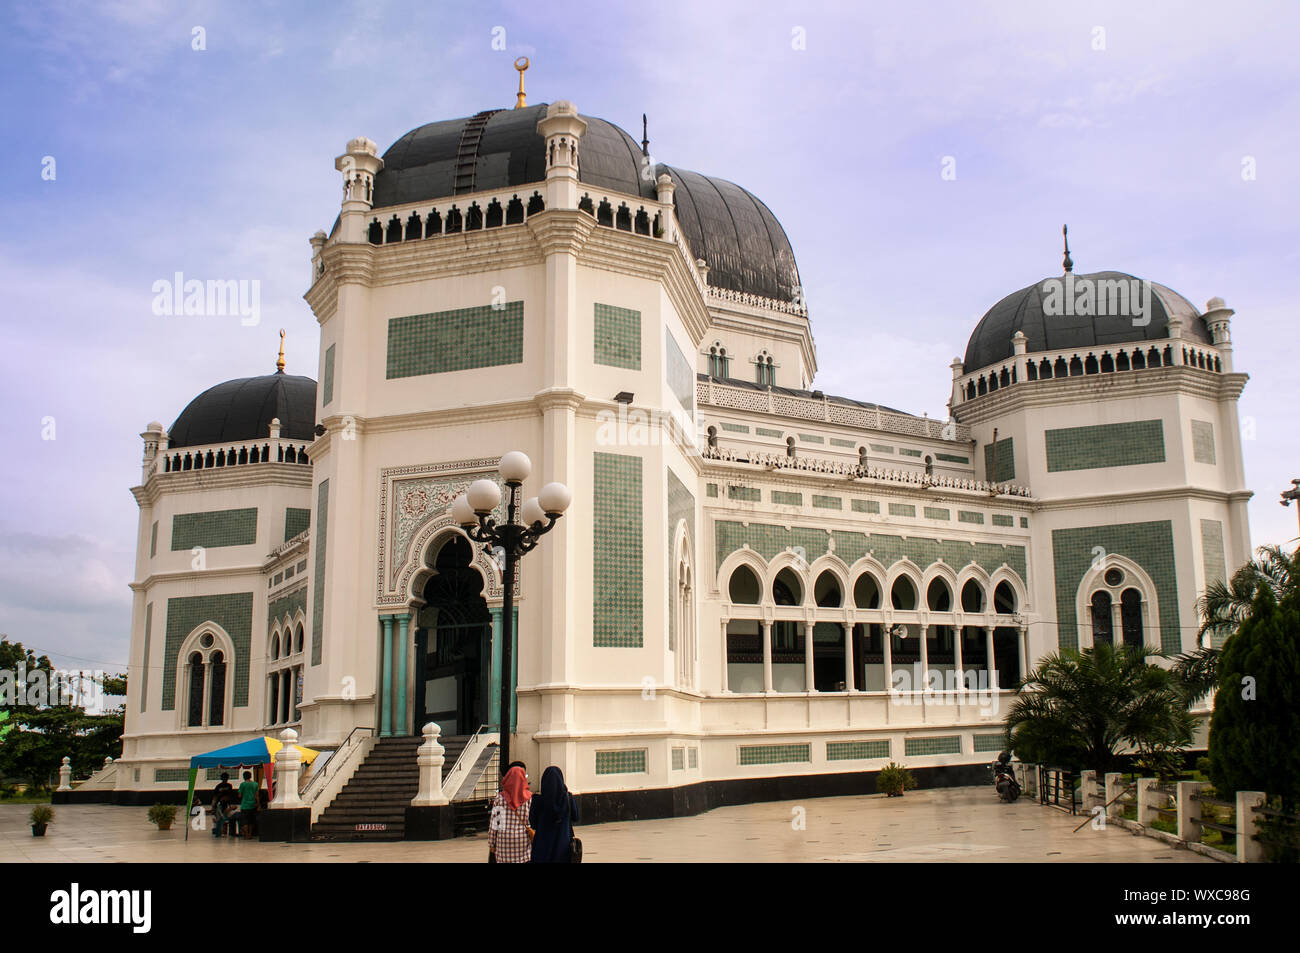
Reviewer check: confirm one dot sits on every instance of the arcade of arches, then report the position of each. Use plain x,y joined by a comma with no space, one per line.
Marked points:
792,637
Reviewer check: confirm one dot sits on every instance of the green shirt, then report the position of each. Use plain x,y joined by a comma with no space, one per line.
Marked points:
248,796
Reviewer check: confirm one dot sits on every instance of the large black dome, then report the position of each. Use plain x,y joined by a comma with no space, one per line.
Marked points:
736,234
1022,310
242,410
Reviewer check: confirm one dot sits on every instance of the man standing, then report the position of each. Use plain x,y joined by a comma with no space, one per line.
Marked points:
247,804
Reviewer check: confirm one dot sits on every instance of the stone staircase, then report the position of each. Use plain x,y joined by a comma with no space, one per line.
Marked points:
372,805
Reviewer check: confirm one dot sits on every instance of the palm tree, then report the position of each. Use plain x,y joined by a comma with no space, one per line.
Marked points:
1083,708
1225,605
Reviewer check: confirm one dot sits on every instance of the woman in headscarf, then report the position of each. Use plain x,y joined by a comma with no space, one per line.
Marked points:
552,815
508,835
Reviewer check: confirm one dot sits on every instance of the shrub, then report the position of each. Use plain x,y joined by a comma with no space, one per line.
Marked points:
162,815
42,814
894,779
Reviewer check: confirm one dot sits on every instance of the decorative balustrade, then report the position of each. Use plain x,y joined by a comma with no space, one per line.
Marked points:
918,478
758,301
828,410
453,215
271,450
1084,362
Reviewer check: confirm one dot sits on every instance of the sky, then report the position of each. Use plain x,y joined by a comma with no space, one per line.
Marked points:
145,138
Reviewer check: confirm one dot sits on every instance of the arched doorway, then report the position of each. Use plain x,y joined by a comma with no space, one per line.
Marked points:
453,644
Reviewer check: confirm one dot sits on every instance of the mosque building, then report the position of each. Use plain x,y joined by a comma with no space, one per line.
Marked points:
748,565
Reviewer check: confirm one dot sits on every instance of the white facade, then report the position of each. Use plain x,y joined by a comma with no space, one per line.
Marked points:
646,657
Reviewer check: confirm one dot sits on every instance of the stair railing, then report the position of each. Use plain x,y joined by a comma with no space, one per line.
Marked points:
454,779
341,757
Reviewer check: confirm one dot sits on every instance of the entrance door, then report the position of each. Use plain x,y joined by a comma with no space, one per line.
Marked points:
457,631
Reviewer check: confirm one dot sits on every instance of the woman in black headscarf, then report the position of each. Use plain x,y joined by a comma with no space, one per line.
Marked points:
552,814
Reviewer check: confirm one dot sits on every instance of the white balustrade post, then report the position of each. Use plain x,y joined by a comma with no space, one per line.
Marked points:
65,775
1146,801
1249,850
1114,785
1189,810
288,768
1088,788
430,759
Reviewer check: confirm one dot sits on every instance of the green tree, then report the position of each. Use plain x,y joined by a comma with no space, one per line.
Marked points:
1082,709
1225,605
1256,722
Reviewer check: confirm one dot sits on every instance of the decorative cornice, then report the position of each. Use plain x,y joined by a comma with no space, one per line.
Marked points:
196,575
1144,497
219,478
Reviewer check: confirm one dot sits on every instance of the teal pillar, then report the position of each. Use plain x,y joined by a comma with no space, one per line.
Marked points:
403,622
494,683
386,698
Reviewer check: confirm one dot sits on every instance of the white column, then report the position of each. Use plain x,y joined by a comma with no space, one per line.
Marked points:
767,656
958,634
725,686
990,663
1189,810
850,683
889,655
430,760
288,766
1024,651
1249,850
808,680
925,661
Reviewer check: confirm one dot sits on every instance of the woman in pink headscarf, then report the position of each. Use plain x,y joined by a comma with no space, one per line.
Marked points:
509,837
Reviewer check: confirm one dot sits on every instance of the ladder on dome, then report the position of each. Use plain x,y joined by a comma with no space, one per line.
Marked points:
467,151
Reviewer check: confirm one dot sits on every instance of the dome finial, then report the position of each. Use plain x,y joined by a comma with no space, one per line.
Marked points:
645,140
521,64
279,361
1068,264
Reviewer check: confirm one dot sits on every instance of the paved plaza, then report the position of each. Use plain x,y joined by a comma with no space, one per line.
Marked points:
951,825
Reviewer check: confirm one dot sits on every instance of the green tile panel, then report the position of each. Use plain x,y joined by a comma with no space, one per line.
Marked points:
774,754
1203,441
811,438
902,509
214,529
318,580
908,452
1000,461
621,762
457,340
866,506
617,620
881,448
618,337
970,516
783,498
746,494
937,513
827,502
1003,519
1024,522
679,759
1212,556
694,757
144,662
856,750
766,432
994,742
327,378
283,608
1150,545
711,489
232,611
952,458
942,744
295,521
681,506
165,775
680,372
735,428
767,540
1105,445
837,442
153,540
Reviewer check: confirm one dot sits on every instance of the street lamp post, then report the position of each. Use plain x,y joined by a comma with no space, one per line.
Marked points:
473,511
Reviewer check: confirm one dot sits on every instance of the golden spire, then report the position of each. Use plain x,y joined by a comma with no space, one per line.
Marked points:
521,64
279,361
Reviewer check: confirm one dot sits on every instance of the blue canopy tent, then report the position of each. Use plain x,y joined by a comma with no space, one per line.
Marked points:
253,753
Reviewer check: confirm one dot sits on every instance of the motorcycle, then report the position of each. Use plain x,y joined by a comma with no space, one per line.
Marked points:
1004,778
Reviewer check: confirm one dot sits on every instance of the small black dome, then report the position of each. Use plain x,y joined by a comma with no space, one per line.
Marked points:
737,235
990,343
242,409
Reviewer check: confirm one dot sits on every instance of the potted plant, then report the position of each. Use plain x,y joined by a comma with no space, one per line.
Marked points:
163,815
41,816
894,779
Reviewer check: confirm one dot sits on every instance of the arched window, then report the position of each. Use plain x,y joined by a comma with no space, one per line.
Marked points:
972,597
217,691
196,691
903,594
866,592
743,587
938,597
789,446
786,589
1004,599
298,638
826,591
1102,630
275,646
713,436
1130,611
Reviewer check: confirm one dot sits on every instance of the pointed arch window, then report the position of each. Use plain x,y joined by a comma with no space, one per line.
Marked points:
1102,627
1130,612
